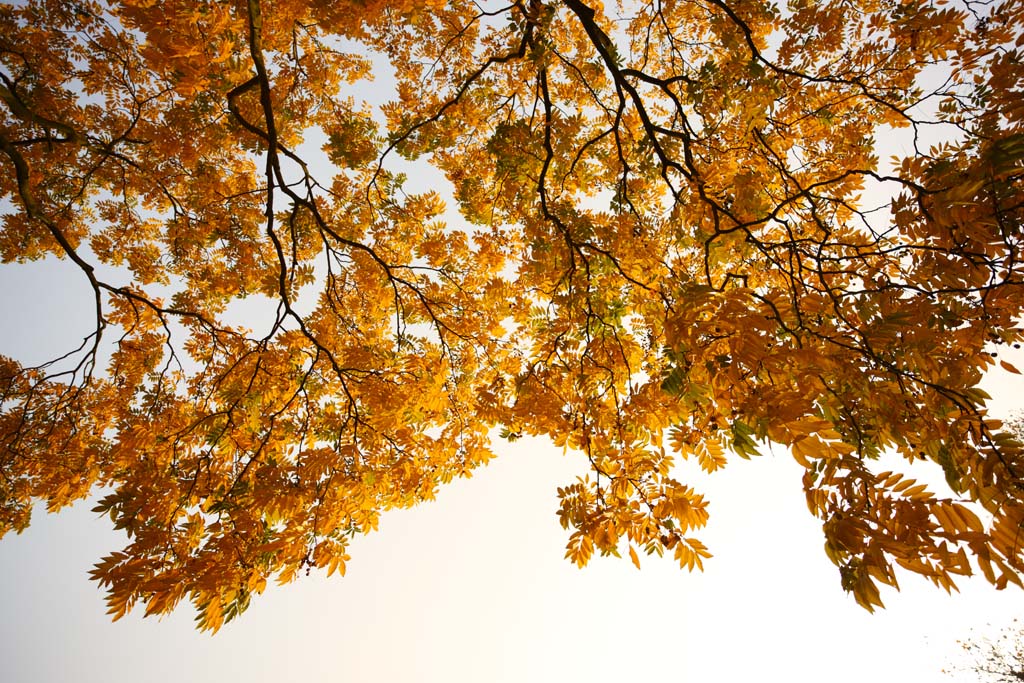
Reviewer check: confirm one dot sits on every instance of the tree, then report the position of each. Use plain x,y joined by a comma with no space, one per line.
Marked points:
1000,660
675,239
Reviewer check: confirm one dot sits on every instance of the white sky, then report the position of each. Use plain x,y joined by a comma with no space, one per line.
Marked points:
473,587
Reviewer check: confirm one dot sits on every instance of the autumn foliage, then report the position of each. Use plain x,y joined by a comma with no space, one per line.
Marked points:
648,231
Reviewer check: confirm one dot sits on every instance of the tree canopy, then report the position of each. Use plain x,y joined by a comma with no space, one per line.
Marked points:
650,231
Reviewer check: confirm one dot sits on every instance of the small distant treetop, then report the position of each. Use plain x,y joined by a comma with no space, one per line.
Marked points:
999,659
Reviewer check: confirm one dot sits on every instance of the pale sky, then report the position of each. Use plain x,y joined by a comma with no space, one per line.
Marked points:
473,587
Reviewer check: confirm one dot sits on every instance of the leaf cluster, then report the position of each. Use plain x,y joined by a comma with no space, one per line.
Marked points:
670,237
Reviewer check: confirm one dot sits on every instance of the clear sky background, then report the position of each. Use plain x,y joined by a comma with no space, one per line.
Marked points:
473,587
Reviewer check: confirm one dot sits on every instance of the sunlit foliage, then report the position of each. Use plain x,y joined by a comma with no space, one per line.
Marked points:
659,231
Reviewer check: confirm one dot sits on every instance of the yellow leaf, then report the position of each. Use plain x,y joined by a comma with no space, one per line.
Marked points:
1008,367
633,557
